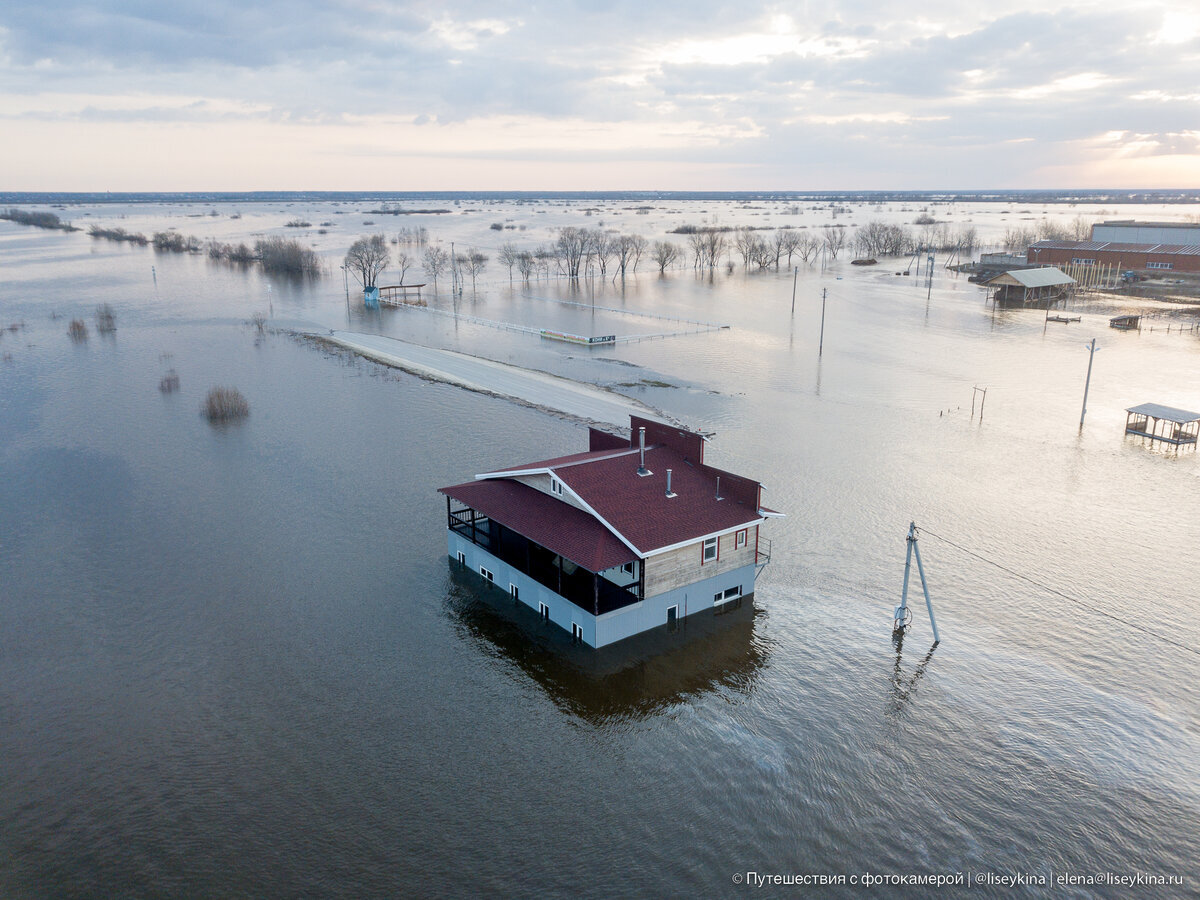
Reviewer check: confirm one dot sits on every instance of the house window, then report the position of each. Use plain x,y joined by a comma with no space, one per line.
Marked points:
576,632
514,590
727,606
1082,261
629,568
740,540
556,486
672,618
544,612
1160,265
710,550
728,594
487,574
462,558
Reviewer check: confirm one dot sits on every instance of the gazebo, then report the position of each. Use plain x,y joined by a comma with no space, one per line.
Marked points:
1021,286
1162,423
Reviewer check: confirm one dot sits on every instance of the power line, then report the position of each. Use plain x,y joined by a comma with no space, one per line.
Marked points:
1056,592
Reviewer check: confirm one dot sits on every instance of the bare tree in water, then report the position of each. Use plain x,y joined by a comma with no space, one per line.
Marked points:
367,257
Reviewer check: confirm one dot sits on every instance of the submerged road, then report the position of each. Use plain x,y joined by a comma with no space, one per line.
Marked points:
540,389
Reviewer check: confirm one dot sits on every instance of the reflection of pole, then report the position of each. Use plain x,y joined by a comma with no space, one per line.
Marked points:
795,275
821,342
1088,382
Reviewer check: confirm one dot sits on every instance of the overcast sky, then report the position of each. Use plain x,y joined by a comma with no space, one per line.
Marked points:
576,95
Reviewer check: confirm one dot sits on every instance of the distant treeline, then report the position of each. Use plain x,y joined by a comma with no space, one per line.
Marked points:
273,254
719,229
118,234
37,219
1074,195
389,210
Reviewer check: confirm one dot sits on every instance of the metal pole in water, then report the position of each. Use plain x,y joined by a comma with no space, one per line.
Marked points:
821,342
924,586
901,615
1091,355
795,275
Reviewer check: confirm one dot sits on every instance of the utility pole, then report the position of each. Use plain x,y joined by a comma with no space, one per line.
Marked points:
1091,355
902,616
821,342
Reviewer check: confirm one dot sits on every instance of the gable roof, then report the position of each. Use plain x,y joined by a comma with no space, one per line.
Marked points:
559,527
602,486
1048,276
638,508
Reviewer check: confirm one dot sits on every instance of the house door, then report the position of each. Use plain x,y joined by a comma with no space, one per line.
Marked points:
672,618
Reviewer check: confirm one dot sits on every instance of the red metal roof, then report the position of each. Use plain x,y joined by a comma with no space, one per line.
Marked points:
639,509
557,526
1114,247
556,462
633,510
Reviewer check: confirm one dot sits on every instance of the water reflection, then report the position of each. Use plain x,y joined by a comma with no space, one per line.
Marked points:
633,679
904,686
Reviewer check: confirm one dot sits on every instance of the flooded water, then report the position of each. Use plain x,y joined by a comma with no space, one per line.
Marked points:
238,662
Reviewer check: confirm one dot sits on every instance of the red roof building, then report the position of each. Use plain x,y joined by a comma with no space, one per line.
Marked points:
1121,256
631,535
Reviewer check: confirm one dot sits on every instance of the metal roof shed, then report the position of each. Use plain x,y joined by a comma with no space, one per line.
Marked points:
1022,285
1163,423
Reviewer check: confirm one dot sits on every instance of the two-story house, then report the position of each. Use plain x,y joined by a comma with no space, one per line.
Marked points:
632,535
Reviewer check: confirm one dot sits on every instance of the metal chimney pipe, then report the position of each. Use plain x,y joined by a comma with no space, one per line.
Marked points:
719,497
642,470
669,494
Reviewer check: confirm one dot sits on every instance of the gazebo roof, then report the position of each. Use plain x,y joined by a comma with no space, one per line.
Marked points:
1047,276
1168,413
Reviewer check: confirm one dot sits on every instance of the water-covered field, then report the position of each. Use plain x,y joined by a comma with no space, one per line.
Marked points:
237,661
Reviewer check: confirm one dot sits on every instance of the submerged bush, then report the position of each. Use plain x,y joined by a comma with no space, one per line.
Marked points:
106,322
118,234
224,404
169,383
279,255
36,219
78,330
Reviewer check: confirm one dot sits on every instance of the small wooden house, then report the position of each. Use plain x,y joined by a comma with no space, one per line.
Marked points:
632,535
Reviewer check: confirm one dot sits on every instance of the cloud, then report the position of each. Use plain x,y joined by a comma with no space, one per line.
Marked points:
753,85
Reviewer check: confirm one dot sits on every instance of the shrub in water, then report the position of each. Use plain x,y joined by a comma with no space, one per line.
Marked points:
106,322
225,404
78,330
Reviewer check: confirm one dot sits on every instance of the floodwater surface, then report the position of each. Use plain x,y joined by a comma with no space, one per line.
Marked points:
237,661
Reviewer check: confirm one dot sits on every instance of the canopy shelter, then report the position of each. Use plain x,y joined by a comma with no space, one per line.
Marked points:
1022,286
1163,423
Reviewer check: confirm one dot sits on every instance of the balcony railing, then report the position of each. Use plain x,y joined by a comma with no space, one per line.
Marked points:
585,589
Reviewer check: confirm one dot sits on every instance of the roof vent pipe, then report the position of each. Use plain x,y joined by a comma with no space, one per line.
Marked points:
670,493
642,470
719,497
